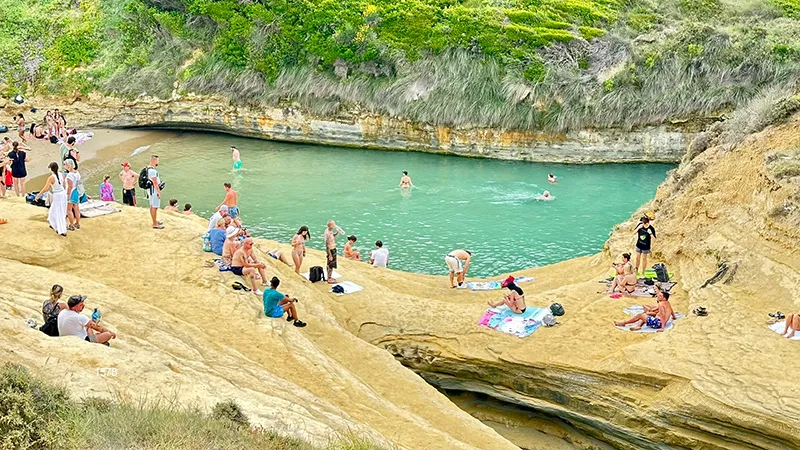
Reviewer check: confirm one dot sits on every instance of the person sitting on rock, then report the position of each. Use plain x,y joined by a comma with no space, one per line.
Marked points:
793,323
515,300
276,253
349,253
72,323
230,245
625,280
652,318
277,304
246,265
217,237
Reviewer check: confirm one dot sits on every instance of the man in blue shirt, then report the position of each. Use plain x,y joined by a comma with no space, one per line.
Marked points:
276,304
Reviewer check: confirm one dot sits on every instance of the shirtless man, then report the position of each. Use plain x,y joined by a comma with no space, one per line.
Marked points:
230,245
128,178
653,316
231,201
458,263
330,248
246,265
515,300
405,181
237,161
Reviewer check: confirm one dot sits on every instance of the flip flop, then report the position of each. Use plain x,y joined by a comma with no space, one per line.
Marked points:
5,221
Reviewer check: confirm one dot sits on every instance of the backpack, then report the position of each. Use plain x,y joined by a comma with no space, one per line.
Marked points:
316,274
3,129
556,309
144,181
53,140
50,328
662,275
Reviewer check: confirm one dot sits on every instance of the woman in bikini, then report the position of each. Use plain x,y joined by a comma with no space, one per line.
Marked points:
21,127
299,247
51,125
515,300
349,253
625,279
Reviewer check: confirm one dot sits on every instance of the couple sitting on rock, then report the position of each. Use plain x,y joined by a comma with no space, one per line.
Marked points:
654,316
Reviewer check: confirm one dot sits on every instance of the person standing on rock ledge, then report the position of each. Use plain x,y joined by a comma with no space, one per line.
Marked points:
128,178
645,234
231,201
330,248
237,161
154,192
458,263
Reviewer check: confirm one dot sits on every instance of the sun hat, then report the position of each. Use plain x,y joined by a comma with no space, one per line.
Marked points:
75,300
231,232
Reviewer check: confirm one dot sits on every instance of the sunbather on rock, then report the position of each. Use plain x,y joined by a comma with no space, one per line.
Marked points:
515,300
657,318
625,280
793,322
246,265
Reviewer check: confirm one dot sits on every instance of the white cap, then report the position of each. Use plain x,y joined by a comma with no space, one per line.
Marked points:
223,208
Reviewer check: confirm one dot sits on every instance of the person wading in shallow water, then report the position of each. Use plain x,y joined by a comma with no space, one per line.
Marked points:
237,161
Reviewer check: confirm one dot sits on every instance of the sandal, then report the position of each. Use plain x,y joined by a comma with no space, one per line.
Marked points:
4,221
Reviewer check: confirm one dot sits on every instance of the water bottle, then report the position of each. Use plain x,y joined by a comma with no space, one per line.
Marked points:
206,243
96,315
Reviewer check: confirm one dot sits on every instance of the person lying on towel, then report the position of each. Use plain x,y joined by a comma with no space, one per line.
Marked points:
652,318
515,300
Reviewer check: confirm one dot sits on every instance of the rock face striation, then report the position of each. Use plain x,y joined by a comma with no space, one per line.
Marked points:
655,144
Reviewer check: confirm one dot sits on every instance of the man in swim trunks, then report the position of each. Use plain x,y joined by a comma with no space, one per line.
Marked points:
237,161
277,304
246,265
330,248
128,178
458,263
231,201
405,181
652,317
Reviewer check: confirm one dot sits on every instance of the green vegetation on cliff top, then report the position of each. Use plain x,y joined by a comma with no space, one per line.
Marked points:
523,64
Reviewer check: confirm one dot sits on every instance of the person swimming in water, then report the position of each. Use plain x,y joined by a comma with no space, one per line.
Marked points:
545,196
405,181
552,178
237,161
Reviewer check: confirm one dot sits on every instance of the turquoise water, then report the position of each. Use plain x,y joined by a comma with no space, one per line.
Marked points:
488,207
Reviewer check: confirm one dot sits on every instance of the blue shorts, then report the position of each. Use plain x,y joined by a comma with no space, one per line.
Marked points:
74,198
653,322
237,164
233,211
276,312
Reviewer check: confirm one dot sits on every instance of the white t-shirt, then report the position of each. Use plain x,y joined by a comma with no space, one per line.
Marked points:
152,172
76,181
212,222
71,323
380,257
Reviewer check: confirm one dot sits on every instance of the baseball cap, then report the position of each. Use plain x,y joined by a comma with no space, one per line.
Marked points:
223,208
75,300
125,164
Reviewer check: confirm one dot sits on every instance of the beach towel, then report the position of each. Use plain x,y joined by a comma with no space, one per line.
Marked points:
97,208
222,266
336,275
649,274
520,325
494,284
778,328
80,138
639,309
349,287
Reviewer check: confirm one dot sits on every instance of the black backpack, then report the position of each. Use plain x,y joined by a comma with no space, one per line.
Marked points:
53,140
316,274
662,275
556,309
144,181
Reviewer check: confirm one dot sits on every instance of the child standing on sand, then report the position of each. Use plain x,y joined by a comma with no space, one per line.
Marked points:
107,190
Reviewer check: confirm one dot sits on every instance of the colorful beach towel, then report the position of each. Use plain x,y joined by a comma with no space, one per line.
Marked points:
349,287
639,309
520,325
778,328
494,284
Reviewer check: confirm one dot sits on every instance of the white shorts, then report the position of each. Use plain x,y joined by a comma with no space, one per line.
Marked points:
155,201
454,264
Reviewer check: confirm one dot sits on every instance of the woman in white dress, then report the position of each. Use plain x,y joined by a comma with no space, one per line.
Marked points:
57,216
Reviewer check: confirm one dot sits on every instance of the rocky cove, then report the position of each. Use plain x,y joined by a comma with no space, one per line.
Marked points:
717,382
665,143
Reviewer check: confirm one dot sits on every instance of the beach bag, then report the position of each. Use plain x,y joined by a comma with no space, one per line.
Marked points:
50,328
3,129
316,274
206,243
549,321
144,182
338,289
53,140
556,309
661,272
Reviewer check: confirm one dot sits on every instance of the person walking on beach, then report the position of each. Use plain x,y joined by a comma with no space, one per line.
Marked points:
645,234
18,158
75,195
380,256
57,214
154,191
20,121
299,247
231,201
330,248
405,181
237,161
458,263
128,178
277,304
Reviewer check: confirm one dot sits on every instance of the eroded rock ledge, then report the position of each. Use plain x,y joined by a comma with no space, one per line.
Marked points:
654,144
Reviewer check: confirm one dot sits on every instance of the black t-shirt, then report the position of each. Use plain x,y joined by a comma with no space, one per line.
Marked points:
644,239
69,155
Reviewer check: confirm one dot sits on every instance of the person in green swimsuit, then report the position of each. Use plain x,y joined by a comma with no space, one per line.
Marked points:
237,161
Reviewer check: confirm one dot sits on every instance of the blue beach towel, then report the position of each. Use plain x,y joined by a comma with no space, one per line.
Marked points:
520,325
494,284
